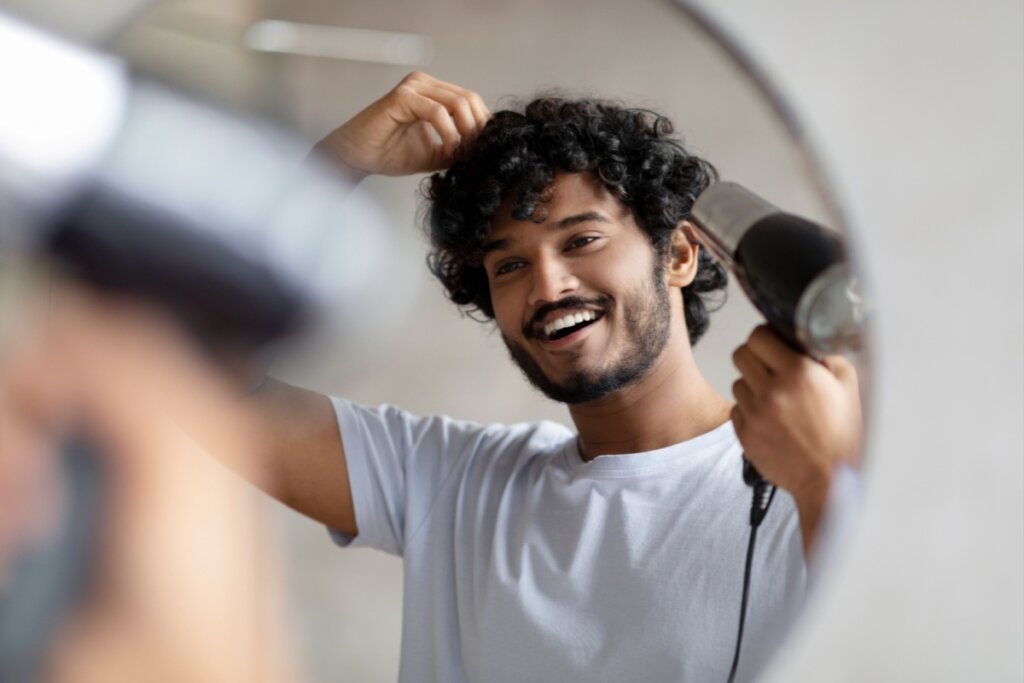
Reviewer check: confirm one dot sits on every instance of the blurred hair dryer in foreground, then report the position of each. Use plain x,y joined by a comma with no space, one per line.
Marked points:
212,216
795,272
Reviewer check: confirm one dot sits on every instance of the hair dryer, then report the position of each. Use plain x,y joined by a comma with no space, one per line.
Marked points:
794,271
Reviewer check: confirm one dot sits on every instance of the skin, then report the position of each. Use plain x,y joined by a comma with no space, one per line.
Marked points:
414,128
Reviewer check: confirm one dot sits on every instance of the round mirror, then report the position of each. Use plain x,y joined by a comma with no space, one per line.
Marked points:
312,65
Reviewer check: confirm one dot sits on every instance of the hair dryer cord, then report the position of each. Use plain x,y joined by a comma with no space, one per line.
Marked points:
763,494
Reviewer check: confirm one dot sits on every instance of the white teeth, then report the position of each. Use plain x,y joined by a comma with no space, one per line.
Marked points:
568,321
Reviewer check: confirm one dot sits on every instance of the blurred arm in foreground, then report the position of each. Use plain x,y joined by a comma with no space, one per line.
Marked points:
179,588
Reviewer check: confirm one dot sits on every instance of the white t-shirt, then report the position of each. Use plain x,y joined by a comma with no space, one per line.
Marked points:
525,563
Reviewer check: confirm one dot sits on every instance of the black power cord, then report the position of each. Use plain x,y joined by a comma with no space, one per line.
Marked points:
763,495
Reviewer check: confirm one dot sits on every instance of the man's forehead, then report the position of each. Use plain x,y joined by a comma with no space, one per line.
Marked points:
570,196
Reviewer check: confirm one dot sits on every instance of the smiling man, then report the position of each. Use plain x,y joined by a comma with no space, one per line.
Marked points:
534,552
559,276
582,299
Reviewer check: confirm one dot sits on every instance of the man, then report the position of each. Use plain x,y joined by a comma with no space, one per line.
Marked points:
533,552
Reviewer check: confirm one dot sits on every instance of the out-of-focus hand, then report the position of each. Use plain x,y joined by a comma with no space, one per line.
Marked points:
32,404
178,590
415,128
796,418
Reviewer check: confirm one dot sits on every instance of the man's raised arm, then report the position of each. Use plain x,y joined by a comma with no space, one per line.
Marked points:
414,128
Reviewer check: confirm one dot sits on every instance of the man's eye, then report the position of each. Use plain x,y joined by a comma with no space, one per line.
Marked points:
581,241
507,267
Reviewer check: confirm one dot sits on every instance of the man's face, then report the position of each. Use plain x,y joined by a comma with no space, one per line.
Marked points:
580,299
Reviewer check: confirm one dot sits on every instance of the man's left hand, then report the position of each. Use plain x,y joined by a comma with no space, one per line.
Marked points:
797,418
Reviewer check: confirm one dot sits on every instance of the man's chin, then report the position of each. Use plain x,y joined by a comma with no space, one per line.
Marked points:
581,386
573,390
578,386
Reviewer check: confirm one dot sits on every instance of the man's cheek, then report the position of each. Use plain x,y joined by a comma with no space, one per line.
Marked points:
509,323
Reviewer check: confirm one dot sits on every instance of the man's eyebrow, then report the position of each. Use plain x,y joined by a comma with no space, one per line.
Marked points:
495,245
567,222
585,217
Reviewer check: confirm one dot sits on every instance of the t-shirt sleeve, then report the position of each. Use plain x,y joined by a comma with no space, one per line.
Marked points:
397,466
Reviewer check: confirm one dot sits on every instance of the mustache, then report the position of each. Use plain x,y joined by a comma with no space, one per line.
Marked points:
532,329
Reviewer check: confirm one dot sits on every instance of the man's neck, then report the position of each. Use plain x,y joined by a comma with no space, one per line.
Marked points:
671,403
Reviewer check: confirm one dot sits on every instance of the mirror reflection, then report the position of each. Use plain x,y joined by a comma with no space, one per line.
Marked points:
553,455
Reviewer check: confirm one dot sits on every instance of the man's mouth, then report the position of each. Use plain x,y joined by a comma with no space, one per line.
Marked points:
555,321
567,324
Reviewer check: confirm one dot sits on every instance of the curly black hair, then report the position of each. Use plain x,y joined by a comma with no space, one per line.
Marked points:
632,152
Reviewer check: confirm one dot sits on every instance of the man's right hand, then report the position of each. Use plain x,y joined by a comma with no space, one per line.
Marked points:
414,128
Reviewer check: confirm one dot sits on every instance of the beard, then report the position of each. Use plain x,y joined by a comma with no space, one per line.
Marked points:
646,314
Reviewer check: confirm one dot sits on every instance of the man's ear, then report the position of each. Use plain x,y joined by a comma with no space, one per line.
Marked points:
681,268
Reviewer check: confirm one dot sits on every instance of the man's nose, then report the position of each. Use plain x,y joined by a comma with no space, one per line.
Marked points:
551,280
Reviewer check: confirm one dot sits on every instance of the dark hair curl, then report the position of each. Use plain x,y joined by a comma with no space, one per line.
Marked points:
632,152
